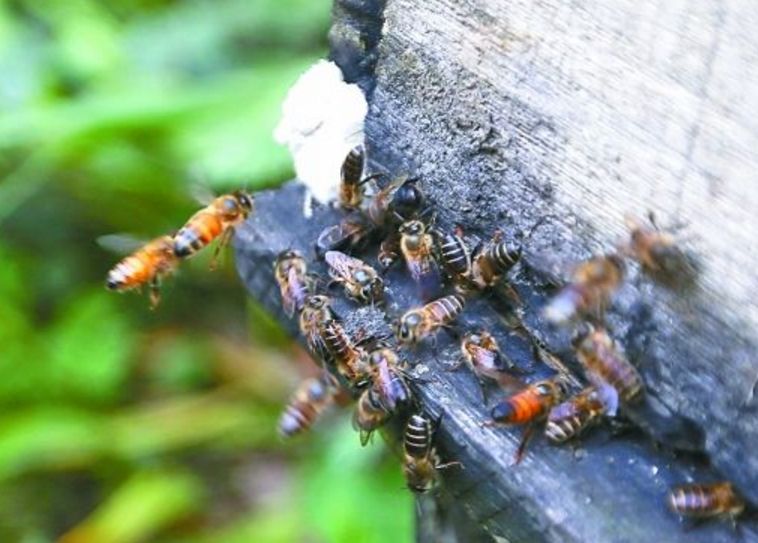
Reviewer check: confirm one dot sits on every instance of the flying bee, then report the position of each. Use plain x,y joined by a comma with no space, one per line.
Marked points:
569,419
417,324
529,406
350,360
217,219
147,265
706,500
291,273
455,256
493,261
605,364
351,191
306,405
350,234
589,291
400,198
360,280
388,378
370,413
421,464
314,317
417,248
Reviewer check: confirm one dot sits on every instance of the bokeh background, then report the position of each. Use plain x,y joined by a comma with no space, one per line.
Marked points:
118,424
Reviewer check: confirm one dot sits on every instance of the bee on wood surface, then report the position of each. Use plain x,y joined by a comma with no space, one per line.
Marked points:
349,360
352,181
417,248
605,364
529,406
482,354
314,317
388,378
417,324
291,273
361,282
370,413
569,419
592,284
455,256
350,234
306,405
147,265
706,500
400,198
493,261
421,464
217,219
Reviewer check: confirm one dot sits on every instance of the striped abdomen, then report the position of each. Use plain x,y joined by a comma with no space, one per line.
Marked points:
202,228
570,418
600,358
310,399
446,309
417,441
705,500
455,255
351,173
154,259
350,360
501,257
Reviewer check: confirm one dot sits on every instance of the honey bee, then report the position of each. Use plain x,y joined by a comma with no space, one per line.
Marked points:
370,413
315,315
605,364
657,251
569,419
291,273
529,406
389,380
306,405
455,256
360,280
351,190
350,360
416,246
350,234
389,251
592,284
217,219
421,464
482,354
706,500
147,265
416,324
493,261
400,198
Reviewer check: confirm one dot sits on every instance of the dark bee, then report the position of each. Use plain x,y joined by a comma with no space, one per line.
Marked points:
416,246
360,280
217,219
706,500
455,256
605,364
314,317
529,406
306,405
419,323
592,284
370,413
400,198
291,274
569,419
350,234
349,360
147,265
421,464
493,261
388,378
351,191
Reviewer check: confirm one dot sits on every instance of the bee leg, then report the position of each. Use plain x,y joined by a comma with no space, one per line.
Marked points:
513,295
371,177
155,292
222,242
483,390
525,439
452,464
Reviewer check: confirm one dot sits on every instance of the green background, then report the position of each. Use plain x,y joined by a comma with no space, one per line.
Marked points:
118,424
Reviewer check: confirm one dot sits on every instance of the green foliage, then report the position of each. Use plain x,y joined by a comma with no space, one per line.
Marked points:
118,424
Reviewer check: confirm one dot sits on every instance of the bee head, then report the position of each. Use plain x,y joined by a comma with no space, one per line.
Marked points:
316,301
407,326
245,200
408,198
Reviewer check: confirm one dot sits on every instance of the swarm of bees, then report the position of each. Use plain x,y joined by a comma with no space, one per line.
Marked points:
375,371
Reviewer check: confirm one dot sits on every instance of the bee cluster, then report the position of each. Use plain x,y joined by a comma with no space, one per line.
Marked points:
374,370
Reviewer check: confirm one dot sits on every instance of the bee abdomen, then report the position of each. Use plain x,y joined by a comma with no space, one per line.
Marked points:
705,500
296,419
418,437
448,308
352,167
559,431
187,242
503,257
455,255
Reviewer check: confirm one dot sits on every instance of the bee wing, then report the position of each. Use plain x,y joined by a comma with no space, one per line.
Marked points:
342,264
120,243
201,193
425,273
485,358
296,292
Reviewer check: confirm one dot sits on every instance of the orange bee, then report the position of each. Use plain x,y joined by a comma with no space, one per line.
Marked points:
703,501
529,406
217,219
147,265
